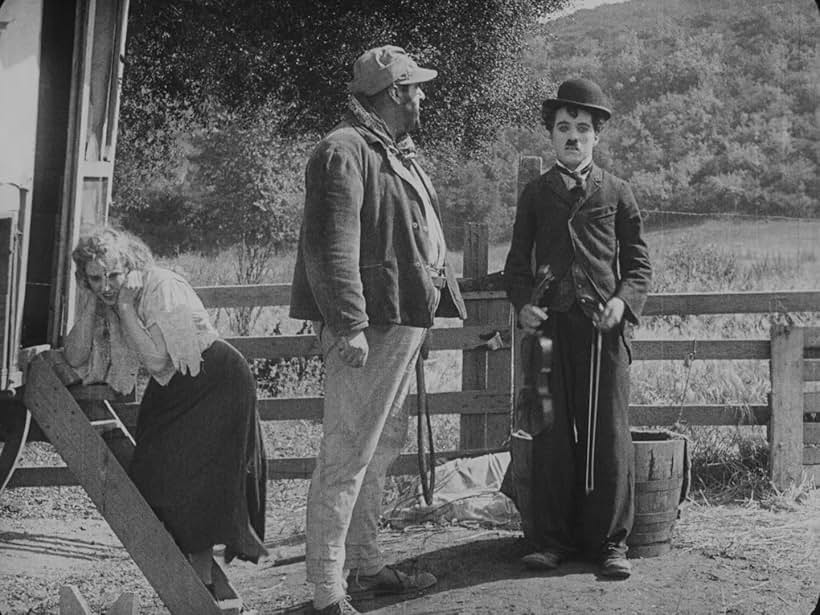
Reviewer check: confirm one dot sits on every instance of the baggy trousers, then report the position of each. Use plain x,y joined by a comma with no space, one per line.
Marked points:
364,429
566,518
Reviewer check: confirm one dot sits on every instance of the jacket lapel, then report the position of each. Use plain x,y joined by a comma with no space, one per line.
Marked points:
428,185
556,184
593,184
400,169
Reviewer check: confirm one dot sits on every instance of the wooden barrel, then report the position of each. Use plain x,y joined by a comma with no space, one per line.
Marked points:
659,472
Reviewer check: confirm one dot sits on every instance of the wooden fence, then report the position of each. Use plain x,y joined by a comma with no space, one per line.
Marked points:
485,399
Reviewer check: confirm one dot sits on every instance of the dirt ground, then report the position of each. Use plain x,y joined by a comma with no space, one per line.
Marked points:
732,558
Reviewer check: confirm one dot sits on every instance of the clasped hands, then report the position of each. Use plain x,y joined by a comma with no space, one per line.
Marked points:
608,316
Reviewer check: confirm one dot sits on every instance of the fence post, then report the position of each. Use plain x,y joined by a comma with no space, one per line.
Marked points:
786,426
529,168
483,370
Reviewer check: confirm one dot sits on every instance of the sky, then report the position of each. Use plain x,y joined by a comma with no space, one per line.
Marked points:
581,4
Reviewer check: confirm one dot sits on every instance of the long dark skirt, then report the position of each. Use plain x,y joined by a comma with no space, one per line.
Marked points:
200,460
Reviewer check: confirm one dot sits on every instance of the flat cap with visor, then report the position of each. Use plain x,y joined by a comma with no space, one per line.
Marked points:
381,67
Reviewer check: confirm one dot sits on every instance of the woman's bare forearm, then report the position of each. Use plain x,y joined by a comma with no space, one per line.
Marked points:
152,352
78,341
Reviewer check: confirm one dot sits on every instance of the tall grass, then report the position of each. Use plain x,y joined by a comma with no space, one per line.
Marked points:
714,256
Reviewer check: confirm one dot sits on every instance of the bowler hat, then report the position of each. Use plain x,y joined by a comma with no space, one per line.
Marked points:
380,67
581,93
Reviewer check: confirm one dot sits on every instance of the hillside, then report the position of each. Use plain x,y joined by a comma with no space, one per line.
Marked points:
715,102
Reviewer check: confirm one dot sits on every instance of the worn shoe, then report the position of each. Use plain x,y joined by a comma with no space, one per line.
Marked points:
343,607
388,580
543,560
615,566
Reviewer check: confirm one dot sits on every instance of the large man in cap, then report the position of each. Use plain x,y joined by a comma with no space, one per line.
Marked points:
371,275
584,225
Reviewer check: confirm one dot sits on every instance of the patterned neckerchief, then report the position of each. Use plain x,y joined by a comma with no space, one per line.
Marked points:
404,149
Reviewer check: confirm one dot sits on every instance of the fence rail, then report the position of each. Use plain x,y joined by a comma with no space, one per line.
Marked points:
489,377
491,402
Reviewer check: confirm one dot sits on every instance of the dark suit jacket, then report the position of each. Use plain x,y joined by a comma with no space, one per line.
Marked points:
364,247
601,233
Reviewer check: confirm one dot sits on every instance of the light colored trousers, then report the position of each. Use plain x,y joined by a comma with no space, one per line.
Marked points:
364,429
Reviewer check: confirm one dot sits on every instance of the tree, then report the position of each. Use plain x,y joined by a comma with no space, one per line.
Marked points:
242,53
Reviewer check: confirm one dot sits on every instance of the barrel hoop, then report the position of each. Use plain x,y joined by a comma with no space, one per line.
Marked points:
658,517
650,486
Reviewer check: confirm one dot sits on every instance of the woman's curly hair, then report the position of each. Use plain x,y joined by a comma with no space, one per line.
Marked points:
107,241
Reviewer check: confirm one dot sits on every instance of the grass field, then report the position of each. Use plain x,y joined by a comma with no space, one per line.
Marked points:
726,254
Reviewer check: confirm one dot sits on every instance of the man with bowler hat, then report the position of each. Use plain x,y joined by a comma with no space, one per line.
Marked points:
371,275
583,223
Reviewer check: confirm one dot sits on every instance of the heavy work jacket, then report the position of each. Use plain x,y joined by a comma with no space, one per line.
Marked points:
597,238
363,248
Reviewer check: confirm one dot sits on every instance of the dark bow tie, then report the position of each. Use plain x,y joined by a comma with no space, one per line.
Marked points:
578,176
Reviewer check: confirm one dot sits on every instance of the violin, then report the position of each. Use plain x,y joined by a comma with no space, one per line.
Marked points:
534,411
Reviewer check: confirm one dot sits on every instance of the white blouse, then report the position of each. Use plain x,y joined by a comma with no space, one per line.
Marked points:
168,301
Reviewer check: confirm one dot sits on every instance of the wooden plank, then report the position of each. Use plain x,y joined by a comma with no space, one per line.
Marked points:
99,392
812,473
287,346
706,414
471,338
811,402
126,604
811,434
811,455
732,303
657,304
786,426
678,350
811,337
811,370
483,295
271,295
498,402
72,601
96,169
406,464
451,402
244,295
42,476
481,370
113,493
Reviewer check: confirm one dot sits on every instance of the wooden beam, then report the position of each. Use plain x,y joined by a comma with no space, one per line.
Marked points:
812,473
126,604
231,296
451,402
786,427
811,455
481,370
679,350
72,601
811,434
406,464
659,304
474,337
732,303
811,335
706,414
811,370
113,493
288,346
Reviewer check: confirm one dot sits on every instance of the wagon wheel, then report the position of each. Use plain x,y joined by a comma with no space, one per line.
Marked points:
16,433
